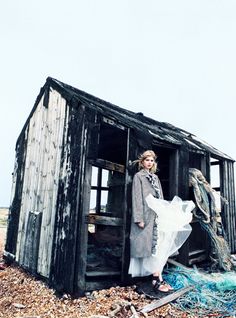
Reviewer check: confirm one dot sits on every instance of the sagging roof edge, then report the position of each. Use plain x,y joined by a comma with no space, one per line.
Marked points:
69,92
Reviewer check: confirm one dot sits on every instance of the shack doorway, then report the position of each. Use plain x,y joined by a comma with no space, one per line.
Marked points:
105,207
105,220
198,242
167,170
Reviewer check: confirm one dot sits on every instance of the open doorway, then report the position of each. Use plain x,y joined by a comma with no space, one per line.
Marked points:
167,170
105,219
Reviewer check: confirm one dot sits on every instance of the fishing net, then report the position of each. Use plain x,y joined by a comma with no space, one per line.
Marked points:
212,293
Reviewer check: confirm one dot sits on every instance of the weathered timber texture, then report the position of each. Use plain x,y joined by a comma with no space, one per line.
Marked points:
65,230
41,174
16,194
104,220
31,249
166,299
229,213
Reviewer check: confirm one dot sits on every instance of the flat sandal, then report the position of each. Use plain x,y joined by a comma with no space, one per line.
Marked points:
167,285
158,284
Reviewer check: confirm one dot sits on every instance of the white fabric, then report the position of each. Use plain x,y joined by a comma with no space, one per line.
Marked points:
173,229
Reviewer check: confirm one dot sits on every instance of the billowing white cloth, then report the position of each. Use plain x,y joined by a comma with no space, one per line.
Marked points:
173,229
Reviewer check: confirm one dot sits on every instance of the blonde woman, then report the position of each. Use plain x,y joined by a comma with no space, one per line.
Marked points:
143,236
158,227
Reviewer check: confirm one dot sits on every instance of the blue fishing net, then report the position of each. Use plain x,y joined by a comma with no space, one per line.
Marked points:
212,293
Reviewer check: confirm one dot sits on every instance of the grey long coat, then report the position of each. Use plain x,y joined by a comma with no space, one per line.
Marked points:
141,239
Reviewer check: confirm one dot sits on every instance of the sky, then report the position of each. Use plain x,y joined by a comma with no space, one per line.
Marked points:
175,61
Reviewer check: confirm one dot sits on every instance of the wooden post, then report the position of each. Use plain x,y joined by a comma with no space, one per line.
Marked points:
183,192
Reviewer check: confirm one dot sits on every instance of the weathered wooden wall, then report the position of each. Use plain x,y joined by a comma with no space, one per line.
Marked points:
65,240
16,196
41,177
229,210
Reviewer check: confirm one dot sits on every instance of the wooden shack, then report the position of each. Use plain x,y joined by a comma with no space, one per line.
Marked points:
71,201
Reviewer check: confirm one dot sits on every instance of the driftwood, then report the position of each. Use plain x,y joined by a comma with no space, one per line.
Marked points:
177,264
165,300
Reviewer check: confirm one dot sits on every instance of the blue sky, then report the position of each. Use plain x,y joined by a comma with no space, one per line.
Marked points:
172,60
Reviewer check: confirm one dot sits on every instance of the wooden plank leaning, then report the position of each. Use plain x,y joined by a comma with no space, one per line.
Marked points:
165,300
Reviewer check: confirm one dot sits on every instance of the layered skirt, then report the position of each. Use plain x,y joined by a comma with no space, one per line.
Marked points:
173,229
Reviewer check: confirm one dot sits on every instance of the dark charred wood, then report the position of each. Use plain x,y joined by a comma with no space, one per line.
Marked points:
104,220
108,165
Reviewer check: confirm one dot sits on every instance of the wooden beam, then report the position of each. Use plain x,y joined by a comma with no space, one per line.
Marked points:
175,263
102,273
165,300
9,256
103,284
105,164
197,259
215,163
112,123
195,252
103,220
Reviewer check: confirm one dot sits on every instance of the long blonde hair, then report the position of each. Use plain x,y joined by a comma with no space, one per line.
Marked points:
143,156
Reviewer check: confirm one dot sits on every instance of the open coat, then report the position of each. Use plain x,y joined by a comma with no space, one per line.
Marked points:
141,239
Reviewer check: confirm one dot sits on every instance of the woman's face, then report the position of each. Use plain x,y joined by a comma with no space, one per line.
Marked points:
148,163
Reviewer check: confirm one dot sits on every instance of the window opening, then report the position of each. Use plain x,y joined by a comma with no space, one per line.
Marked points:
215,174
215,181
105,222
99,190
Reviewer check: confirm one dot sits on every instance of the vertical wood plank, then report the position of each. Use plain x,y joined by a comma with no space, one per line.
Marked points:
174,173
49,183
229,211
33,228
65,231
125,216
183,193
16,194
233,210
83,200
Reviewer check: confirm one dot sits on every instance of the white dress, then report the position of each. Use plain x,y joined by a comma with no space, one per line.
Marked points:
173,229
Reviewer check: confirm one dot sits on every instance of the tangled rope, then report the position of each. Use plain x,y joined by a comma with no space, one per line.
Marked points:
213,293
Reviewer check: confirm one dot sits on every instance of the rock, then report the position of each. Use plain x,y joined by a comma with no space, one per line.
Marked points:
19,306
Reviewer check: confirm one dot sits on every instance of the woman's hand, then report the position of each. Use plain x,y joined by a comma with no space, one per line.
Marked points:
141,225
